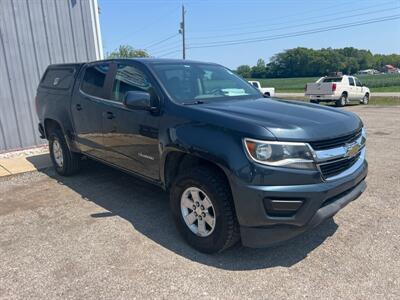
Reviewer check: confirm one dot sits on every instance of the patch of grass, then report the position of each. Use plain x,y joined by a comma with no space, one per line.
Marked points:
377,83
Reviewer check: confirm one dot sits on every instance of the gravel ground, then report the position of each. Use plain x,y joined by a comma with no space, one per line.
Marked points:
26,152
103,234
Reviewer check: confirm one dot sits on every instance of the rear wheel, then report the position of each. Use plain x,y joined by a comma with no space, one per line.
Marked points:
202,205
267,95
365,99
65,162
314,101
342,101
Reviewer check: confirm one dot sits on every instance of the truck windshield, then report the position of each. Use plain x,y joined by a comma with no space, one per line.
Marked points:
195,83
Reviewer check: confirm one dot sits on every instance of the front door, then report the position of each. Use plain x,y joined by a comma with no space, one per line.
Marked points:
130,137
85,108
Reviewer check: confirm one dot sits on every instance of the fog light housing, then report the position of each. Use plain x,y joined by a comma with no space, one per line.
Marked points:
282,207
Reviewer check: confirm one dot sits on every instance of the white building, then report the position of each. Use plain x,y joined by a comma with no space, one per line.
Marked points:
34,34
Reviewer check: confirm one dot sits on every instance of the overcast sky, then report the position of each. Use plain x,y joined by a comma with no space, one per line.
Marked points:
239,32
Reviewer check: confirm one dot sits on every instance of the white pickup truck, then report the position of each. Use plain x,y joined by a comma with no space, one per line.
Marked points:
268,92
338,89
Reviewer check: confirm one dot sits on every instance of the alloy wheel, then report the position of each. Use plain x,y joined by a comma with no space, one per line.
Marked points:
198,211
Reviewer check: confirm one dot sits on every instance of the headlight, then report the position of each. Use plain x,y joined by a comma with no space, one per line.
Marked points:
280,154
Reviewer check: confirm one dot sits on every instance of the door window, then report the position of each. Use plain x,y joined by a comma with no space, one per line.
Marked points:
129,78
94,79
351,81
358,82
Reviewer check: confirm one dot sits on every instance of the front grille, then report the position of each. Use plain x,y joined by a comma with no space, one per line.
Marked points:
336,167
336,142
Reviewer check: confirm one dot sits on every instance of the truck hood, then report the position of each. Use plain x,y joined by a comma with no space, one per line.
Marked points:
288,120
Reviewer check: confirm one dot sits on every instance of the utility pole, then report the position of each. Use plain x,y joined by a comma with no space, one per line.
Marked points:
182,31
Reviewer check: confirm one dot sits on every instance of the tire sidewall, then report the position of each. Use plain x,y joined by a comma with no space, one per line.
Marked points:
54,137
215,240
343,100
365,99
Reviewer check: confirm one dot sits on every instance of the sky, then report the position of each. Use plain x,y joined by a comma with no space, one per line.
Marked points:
239,32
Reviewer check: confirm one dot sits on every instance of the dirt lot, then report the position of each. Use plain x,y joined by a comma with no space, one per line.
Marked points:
104,234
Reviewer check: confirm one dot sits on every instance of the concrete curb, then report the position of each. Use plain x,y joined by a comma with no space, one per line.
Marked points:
18,165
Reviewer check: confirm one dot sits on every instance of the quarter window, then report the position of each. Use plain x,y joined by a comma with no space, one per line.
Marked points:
58,78
94,79
129,78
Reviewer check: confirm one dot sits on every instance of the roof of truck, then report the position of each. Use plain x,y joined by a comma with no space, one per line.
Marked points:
151,60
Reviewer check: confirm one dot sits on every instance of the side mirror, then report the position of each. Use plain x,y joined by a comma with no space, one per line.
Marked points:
138,100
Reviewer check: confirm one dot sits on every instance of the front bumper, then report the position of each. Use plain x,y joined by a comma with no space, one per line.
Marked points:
319,201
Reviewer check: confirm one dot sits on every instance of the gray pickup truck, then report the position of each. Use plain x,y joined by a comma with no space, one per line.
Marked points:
237,166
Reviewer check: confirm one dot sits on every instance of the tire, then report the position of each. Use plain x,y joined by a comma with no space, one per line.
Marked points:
365,99
267,95
314,101
65,162
342,101
212,188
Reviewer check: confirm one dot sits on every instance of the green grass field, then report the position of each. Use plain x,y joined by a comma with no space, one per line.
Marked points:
380,101
377,83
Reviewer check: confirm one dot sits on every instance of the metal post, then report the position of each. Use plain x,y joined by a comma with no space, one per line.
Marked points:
183,33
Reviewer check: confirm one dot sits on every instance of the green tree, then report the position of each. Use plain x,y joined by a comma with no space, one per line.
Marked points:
259,70
127,51
244,71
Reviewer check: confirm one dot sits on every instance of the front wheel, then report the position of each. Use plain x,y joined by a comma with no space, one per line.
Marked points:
202,205
365,99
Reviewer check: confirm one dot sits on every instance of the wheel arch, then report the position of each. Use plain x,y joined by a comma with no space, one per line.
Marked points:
50,124
177,161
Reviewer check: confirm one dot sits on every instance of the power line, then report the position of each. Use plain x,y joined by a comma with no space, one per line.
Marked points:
169,53
295,34
160,42
150,24
165,50
240,25
297,25
239,28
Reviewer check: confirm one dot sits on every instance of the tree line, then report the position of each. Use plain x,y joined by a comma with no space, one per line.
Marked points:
298,62
305,62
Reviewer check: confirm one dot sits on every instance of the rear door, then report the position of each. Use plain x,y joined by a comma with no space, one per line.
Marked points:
86,110
130,137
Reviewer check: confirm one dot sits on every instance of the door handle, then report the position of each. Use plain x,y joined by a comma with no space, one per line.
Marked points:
109,115
78,106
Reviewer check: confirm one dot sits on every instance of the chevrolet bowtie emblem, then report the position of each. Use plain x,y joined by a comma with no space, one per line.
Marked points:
352,149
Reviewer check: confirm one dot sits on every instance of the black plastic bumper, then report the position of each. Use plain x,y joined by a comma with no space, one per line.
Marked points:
268,236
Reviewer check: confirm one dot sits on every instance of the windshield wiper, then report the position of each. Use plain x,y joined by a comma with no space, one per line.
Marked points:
193,102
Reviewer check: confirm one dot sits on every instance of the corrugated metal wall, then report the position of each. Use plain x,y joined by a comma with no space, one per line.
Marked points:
34,34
